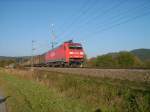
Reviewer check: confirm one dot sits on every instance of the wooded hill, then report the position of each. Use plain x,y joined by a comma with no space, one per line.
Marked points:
139,58
143,54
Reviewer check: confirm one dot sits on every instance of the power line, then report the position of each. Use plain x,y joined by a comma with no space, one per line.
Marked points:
120,16
117,19
82,8
122,22
83,14
103,12
124,14
86,7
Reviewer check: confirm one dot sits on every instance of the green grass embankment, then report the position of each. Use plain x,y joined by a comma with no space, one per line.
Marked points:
57,92
29,96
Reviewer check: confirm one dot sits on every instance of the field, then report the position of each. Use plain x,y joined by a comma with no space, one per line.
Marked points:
51,91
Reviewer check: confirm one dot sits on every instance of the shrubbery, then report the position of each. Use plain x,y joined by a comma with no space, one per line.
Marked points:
4,63
117,60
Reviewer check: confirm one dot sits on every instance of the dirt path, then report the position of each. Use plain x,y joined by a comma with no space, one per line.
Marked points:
2,104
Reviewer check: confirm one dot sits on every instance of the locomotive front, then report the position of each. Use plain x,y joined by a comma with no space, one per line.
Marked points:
75,54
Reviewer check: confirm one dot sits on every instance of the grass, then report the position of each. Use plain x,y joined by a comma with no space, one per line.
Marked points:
106,94
29,96
57,92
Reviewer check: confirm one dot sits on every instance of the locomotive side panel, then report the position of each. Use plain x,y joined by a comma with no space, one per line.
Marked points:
56,55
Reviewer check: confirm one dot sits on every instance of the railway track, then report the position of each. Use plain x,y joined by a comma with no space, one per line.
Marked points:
142,75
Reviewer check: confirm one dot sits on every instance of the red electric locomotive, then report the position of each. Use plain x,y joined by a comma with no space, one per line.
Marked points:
67,54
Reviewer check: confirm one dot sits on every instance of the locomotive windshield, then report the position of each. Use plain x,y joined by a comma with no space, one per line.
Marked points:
75,47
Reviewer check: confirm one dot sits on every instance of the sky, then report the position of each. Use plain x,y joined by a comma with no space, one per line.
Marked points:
102,26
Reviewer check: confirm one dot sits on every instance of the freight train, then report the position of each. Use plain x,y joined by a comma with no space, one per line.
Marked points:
68,54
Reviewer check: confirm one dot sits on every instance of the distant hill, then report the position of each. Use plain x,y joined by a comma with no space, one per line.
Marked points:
143,54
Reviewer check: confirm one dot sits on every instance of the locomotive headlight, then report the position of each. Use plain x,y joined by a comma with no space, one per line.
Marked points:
81,53
70,52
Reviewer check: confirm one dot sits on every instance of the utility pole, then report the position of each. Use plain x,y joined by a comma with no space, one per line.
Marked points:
33,49
53,36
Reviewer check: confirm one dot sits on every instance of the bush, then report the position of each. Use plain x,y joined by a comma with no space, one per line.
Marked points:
128,60
147,64
4,63
116,60
106,61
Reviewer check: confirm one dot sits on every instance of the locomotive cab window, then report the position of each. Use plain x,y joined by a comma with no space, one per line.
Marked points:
75,47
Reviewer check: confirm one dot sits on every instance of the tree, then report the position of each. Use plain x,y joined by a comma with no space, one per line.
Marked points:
4,63
127,60
116,60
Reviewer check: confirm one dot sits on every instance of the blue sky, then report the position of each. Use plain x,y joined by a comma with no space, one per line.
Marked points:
102,26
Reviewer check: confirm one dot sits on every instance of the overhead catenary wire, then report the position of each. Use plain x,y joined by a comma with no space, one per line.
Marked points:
80,15
83,14
128,20
102,13
122,17
116,20
105,12
81,10
119,17
118,24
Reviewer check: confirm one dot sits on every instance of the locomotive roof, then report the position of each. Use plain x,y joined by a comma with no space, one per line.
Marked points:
70,42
